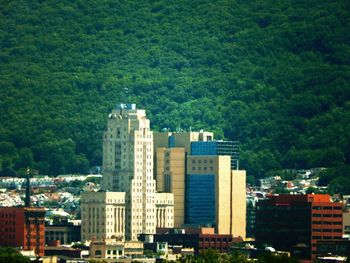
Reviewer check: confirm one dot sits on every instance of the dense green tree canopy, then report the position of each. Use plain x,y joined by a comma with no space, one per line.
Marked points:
8,254
274,75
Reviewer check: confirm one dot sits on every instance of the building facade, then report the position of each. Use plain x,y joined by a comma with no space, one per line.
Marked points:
165,210
180,139
215,194
128,167
65,233
23,227
229,148
170,175
103,215
296,223
127,204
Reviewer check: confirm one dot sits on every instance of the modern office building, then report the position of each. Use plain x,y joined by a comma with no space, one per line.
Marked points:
215,194
202,173
296,223
230,148
170,175
180,139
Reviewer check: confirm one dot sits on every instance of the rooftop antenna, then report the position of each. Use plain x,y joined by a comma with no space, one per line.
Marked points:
27,200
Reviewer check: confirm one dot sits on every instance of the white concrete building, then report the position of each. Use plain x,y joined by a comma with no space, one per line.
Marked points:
102,215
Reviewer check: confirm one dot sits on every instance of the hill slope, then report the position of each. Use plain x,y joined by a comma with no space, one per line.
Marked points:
273,75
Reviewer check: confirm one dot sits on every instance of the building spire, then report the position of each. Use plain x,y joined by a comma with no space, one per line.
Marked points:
27,200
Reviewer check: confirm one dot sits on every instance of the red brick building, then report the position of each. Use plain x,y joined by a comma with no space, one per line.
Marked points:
297,222
23,227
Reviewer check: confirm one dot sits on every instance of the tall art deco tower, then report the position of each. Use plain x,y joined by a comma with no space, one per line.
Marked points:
128,167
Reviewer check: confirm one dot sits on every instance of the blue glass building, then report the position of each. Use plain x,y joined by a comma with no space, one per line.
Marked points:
200,199
230,148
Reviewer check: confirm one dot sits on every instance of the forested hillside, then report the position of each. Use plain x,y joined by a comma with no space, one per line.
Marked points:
274,75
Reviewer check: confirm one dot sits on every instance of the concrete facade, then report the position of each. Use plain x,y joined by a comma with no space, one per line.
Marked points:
102,215
128,167
165,210
126,205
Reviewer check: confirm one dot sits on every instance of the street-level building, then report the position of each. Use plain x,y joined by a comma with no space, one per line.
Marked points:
64,233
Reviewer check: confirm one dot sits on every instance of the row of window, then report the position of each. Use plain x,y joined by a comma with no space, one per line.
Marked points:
327,215
326,230
322,237
327,208
8,222
326,223
7,215
205,168
224,239
200,161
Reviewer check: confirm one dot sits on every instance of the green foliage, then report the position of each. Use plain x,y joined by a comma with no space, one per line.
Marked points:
340,185
210,255
8,254
274,76
270,258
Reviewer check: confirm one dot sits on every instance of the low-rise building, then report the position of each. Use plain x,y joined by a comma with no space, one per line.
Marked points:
297,222
23,227
66,232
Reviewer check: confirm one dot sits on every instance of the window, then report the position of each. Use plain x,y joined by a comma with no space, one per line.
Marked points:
98,253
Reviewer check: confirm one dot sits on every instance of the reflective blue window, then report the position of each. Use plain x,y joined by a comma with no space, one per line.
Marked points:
200,199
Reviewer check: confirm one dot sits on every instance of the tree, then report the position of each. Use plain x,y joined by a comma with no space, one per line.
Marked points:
340,185
270,258
11,255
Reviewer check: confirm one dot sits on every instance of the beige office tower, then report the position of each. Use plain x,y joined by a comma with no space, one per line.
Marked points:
102,215
170,167
128,167
216,195
170,149
238,204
